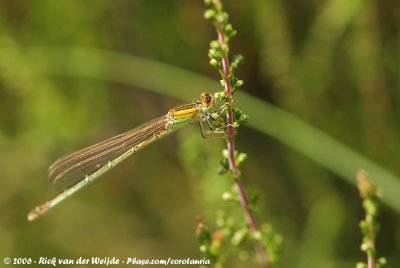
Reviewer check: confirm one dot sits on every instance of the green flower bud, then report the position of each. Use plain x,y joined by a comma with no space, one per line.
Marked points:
210,14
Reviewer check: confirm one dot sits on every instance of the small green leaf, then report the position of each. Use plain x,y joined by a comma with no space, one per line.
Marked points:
214,54
224,166
232,78
365,246
221,96
225,153
239,116
229,31
242,119
239,83
361,265
241,158
215,44
203,248
382,261
228,28
210,14
257,235
236,61
215,63
370,207
239,236
223,18
208,2
224,50
227,196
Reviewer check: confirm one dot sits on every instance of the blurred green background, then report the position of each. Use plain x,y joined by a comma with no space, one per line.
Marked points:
321,89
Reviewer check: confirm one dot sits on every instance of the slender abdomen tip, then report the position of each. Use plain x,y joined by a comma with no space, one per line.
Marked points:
37,212
33,215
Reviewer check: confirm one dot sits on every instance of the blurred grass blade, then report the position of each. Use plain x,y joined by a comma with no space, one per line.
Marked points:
173,81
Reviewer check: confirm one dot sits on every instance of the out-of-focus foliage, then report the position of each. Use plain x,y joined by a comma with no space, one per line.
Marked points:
334,64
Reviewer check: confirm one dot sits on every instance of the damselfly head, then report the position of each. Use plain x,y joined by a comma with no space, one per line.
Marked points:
207,100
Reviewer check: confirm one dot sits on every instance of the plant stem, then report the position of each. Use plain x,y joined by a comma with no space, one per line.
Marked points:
369,226
371,254
371,262
235,172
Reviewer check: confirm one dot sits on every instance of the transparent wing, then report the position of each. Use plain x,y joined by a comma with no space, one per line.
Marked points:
72,168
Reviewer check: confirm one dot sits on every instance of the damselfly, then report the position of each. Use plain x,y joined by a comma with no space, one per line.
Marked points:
74,171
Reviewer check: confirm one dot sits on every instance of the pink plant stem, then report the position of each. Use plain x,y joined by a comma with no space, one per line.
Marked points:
371,262
370,258
231,156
